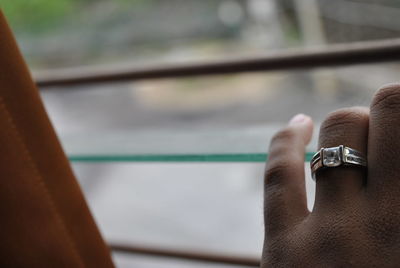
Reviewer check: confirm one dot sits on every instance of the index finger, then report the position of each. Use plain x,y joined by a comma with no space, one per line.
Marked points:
285,199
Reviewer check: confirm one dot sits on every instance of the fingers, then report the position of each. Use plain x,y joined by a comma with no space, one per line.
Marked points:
348,127
284,193
384,141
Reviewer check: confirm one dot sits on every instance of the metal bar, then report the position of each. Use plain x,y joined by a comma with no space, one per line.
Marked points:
334,55
187,255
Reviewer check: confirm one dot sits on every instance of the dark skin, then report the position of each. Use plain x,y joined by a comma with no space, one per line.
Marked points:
356,218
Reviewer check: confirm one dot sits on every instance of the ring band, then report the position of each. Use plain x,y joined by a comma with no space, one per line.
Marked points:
335,157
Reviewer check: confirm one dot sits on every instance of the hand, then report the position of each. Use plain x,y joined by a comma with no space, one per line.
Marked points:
356,217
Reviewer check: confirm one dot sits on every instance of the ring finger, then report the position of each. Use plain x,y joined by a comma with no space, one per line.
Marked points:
348,127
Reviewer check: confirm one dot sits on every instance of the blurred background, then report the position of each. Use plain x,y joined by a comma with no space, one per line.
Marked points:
208,206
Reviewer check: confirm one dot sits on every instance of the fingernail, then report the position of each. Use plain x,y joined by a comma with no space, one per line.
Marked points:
297,119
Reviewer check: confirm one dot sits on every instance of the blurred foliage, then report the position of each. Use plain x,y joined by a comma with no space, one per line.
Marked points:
35,16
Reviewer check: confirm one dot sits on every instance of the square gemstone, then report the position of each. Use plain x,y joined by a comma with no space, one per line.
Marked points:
332,157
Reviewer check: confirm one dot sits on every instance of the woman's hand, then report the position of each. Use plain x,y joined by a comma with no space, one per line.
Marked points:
356,217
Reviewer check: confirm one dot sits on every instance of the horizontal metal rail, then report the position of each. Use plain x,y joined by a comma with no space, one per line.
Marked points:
334,55
187,255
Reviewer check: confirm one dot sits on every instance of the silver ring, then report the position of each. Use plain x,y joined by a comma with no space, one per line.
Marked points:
335,157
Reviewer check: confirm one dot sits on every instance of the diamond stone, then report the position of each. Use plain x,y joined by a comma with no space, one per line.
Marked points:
332,157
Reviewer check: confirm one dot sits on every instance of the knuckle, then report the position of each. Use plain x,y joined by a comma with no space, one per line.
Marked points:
387,97
280,155
275,172
342,119
283,136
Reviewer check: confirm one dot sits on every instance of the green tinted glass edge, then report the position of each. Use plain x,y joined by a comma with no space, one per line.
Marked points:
176,158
